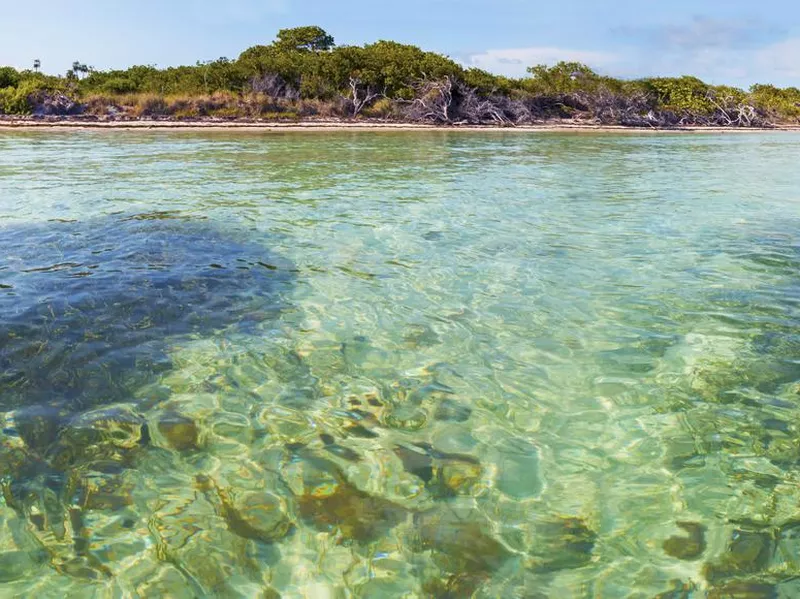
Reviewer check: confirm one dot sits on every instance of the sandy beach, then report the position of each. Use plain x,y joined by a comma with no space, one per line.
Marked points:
323,125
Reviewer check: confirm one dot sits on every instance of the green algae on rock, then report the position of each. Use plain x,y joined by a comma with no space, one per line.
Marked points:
255,515
326,500
562,542
748,552
744,590
444,474
180,432
449,410
460,539
350,512
689,547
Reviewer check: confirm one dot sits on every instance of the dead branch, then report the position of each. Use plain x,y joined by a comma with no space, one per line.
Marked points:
360,95
433,101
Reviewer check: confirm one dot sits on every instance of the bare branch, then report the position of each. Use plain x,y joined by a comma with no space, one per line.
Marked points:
360,95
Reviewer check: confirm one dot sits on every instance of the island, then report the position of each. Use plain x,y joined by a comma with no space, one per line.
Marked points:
304,78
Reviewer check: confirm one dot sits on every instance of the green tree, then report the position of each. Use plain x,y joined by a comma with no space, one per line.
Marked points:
776,101
487,83
304,39
563,78
9,77
681,93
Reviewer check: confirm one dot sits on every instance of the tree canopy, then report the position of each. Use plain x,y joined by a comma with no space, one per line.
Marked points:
304,39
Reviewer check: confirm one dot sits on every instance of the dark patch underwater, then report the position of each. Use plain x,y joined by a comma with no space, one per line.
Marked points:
89,308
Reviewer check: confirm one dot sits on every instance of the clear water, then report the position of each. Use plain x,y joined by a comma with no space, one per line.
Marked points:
399,365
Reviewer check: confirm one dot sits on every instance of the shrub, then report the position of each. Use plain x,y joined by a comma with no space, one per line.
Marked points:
119,85
382,109
18,100
9,77
150,105
781,103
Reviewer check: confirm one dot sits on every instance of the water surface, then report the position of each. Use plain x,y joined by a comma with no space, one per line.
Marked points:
399,364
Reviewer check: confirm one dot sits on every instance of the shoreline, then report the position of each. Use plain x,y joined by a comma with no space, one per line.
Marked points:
8,124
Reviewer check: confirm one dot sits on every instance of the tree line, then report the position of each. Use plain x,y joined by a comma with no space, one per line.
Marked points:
303,74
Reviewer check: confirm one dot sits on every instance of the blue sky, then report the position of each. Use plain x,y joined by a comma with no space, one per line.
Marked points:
732,41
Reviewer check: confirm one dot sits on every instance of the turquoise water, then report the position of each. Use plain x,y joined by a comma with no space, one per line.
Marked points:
399,365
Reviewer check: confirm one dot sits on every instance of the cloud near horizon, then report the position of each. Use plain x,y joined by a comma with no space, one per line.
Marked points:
718,51
731,51
781,58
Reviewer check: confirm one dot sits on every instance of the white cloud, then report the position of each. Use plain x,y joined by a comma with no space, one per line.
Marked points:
780,60
777,62
513,62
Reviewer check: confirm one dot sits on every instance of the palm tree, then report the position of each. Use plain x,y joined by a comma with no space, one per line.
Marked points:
37,64
78,69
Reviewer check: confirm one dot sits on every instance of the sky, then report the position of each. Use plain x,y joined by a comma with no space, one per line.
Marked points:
735,42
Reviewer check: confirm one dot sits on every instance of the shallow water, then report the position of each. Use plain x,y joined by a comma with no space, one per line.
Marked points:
399,365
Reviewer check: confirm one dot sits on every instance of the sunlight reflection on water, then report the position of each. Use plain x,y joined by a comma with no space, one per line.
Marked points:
399,365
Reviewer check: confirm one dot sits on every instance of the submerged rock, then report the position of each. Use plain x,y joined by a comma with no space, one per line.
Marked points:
454,586
460,539
450,410
255,515
334,448
744,590
562,543
444,474
748,553
109,434
180,432
406,417
353,513
39,425
15,459
680,590
329,502
104,492
19,564
688,547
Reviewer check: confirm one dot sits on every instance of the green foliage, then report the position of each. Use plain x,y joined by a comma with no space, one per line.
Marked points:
562,78
9,77
384,65
15,100
119,85
776,101
687,94
289,65
18,100
316,86
203,78
396,67
304,39
486,83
